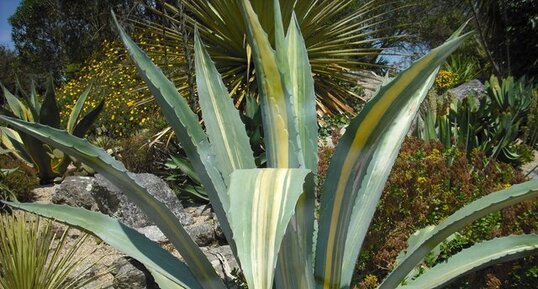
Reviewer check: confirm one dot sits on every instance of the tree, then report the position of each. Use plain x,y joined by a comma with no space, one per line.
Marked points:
508,30
505,29
8,65
56,36
38,36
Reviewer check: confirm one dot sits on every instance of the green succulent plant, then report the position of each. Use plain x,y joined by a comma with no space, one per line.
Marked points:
268,214
507,105
466,68
50,164
493,123
180,171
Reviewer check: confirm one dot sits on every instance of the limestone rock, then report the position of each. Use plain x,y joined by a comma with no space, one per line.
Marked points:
110,200
222,259
203,234
153,233
130,274
76,191
472,87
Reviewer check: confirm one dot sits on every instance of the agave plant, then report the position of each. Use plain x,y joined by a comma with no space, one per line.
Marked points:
268,214
30,149
341,37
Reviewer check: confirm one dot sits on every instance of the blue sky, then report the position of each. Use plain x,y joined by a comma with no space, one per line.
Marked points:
7,8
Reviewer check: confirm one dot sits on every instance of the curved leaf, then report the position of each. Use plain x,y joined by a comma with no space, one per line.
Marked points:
474,258
75,113
119,236
50,113
187,128
262,202
116,173
16,106
280,131
473,211
295,260
34,99
81,127
361,165
226,132
11,140
303,97
79,130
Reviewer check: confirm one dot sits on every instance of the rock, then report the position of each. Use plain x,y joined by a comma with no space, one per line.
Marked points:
110,200
205,230
222,259
219,233
153,233
203,234
204,212
76,191
201,223
472,87
131,274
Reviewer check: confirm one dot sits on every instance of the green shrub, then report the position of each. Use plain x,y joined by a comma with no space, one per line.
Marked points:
427,184
496,123
531,126
21,182
139,155
464,67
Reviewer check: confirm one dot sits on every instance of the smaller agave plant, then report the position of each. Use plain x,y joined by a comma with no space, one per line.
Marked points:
268,214
49,163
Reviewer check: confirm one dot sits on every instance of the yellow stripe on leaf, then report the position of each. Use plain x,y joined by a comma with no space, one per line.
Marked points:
262,202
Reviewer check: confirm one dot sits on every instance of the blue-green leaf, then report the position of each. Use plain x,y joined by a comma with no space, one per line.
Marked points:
187,128
280,132
226,132
16,106
116,173
75,113
295,261
361,164
262,202
50,113
474,258
119,236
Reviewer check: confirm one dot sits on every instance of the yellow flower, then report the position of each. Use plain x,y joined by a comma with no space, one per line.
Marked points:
435,155
445,80
421,180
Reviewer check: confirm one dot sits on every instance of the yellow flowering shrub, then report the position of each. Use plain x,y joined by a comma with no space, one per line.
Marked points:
445,80
116,80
